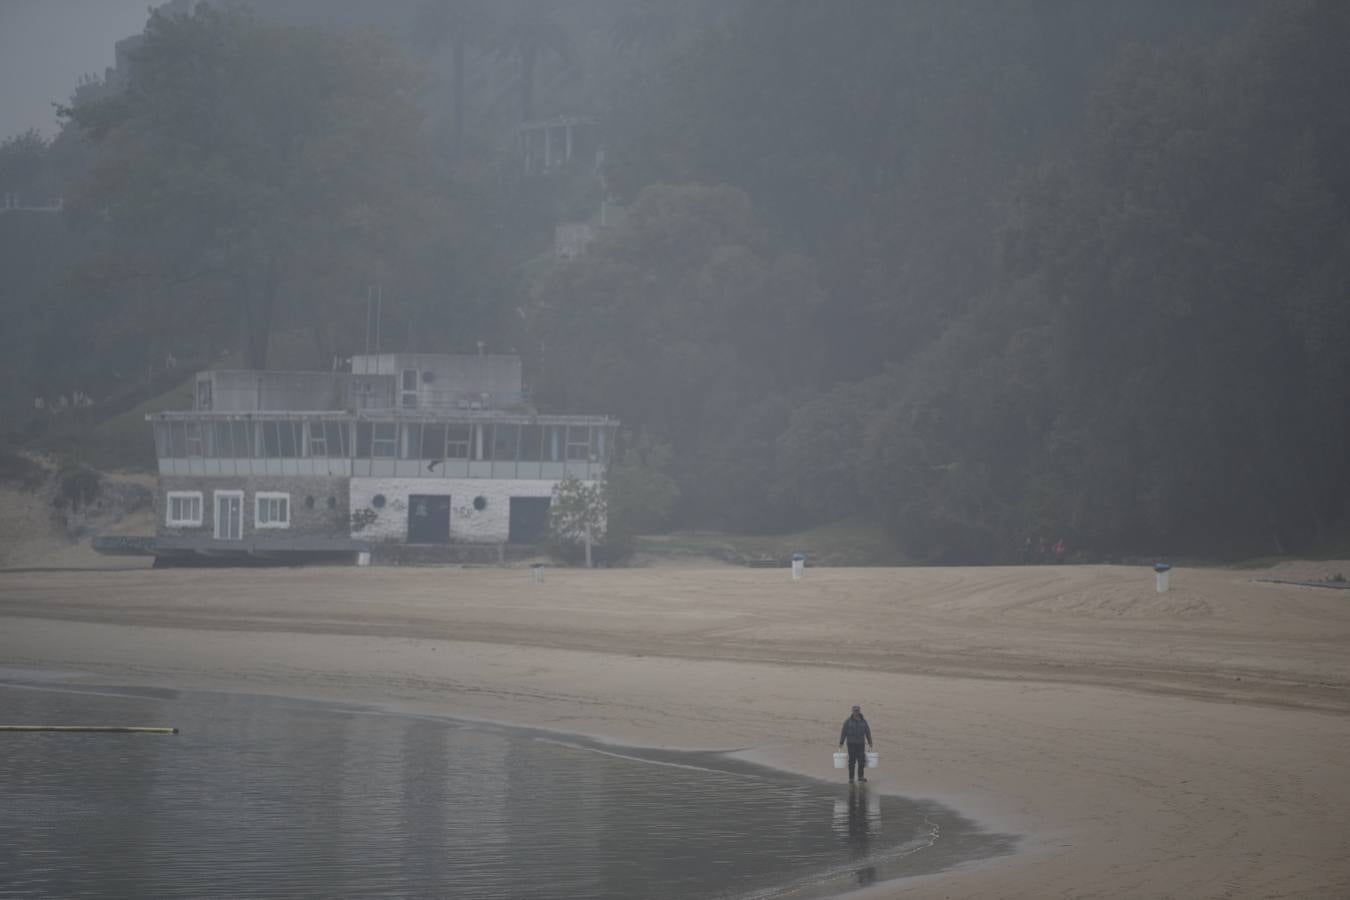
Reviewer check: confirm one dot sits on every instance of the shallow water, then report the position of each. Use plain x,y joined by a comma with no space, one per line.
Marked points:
266,797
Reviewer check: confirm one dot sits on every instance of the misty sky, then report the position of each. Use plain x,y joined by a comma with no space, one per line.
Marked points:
45,45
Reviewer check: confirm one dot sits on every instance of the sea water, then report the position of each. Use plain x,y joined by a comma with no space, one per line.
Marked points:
267,797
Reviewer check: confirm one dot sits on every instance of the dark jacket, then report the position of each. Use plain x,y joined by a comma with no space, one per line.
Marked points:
855,731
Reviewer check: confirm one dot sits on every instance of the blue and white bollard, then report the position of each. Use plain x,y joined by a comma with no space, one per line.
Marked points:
1161,573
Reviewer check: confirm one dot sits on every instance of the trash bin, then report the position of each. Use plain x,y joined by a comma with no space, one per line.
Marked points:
1161,576
798,566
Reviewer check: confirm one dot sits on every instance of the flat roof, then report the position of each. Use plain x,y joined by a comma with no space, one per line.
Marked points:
383,415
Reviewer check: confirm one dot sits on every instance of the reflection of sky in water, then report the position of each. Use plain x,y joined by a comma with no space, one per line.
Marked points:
267,797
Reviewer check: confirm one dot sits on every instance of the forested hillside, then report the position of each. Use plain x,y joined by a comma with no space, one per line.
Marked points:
981,273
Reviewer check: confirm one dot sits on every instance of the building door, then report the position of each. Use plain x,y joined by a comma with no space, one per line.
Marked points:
529,520
429,519
229,515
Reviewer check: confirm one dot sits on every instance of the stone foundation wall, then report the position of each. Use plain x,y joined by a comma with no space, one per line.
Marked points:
319,506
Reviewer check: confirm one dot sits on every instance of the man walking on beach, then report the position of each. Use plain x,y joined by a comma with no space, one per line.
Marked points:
855,732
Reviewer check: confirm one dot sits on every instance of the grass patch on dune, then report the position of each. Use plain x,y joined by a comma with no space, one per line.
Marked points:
123,442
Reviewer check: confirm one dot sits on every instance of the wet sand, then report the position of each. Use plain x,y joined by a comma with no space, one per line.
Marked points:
1191,744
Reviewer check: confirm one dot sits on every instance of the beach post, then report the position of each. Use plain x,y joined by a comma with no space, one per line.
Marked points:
537,572
798,566
1161,575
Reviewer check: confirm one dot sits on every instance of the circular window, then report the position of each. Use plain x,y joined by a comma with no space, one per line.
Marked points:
480,503
377,501
309,503
332,503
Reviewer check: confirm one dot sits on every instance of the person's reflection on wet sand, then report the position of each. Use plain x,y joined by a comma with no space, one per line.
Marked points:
857,820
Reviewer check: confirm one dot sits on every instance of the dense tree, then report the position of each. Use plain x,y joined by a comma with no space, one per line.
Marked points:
981,272
530,35
461,25
688,324
262,159
1163,362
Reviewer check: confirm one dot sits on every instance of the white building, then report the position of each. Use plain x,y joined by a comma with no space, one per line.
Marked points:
405,449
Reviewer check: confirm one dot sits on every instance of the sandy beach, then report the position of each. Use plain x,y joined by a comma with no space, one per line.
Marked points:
1190,744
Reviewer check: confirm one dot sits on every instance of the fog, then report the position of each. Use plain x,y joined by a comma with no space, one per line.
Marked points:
976,281
47,45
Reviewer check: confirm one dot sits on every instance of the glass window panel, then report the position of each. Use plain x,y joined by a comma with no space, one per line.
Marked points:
531,443
177,446
458,440
578,443
410,443
271,438
339,439
364,443
289,446
240,441
274,511
385,443
194,438
220,439
504,441
433,441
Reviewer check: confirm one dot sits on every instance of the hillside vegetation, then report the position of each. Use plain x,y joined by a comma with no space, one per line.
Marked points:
971,274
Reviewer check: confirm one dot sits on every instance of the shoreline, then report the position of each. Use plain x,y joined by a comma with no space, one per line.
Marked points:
1117,778
729,760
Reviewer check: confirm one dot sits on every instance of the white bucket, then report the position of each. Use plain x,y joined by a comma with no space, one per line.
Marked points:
872,760
841,760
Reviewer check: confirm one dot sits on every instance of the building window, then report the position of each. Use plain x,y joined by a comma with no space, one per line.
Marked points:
578,443
433,441
505,442
184,508
409,385
272,510
194,439
378,440
318,442
385,445
458,438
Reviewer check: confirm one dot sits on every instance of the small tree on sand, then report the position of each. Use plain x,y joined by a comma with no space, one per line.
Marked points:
577,515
